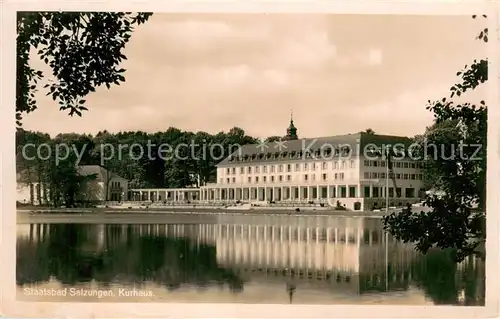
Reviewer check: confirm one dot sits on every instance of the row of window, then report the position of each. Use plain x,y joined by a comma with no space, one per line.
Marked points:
282,178
397,192
397,164
288,168
405,176
115,184
344,150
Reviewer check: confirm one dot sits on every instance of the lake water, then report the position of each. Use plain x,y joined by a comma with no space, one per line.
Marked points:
245,259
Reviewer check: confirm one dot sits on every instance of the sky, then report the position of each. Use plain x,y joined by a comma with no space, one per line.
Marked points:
339,74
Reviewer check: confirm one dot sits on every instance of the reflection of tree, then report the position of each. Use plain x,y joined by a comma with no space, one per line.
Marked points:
435,274
71,255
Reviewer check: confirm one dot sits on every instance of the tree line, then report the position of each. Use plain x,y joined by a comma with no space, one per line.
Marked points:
194,166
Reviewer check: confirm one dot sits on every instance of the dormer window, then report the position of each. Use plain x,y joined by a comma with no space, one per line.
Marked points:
346,150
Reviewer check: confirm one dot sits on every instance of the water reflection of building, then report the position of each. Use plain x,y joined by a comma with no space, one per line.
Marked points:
327,254
332,253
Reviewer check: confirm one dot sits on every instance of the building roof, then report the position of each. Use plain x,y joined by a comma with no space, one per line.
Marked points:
100,172
321,148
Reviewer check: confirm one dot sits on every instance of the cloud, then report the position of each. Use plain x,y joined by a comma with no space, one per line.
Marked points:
212,72
375,56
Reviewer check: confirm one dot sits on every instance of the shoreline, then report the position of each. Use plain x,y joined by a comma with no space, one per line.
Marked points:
163,216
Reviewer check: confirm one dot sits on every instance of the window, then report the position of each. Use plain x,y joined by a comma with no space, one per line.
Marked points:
367,163
228,171
352,164
398,176
398,164
272,168
420,177
264,179
405,164
325,177
257,170
325,165
234,180
242,170
297,167
280,168
249,179
405,176
398,191
352,191
335,165
336,176
375,163
342,165
412,165
264,169
413,177
374,175
272,179
366,191
391,191
289,177
256,179
288,168
249,170
313,177
305,177
281,178
382,163
313,165
228,180
409,192
341,176
234,170
367,175
306,167
382,175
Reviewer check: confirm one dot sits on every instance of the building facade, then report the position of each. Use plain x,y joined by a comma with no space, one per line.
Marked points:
106,186
345,171
349,171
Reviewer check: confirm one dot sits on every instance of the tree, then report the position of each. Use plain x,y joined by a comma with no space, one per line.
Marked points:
453,221
370,131
273,138
83,49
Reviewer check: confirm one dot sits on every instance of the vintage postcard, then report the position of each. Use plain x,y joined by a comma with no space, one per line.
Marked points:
311,159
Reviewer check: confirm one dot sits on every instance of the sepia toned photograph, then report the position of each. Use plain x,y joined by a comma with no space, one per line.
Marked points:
249,158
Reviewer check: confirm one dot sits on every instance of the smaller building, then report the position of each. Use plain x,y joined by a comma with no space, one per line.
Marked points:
106,186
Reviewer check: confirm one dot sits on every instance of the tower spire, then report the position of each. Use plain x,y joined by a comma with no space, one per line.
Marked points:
291,131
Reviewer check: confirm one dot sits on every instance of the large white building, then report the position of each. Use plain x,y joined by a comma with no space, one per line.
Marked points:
345,170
